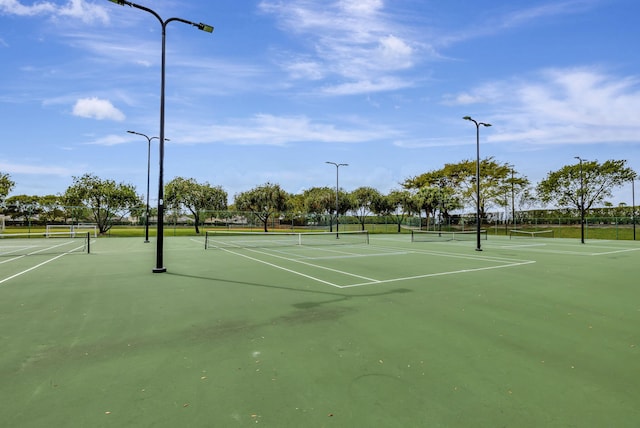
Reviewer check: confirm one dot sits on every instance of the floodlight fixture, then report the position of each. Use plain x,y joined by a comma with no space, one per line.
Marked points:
581,199
163,23
478,216
146,220
337,165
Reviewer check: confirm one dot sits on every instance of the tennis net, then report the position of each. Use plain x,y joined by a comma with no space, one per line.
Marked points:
446,235
230,239
21,244
519,233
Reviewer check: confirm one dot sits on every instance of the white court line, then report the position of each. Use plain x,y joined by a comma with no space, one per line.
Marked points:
455,272
313,265
371,281
32,268
280,267
476,256
40,264
614,252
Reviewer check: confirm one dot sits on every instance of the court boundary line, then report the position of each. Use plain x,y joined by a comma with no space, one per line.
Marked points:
372,281
2,281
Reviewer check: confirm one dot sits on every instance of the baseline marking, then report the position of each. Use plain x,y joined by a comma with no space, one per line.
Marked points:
280,267
436,274
32,268
371,281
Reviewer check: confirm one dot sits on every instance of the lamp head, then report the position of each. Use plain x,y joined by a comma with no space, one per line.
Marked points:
204,27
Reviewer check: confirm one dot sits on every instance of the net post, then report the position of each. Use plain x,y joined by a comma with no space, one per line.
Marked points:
88,242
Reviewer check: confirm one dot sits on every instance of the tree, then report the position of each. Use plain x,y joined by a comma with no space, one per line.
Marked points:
106,200
363,201
426,199
6,184
588,181
197,198
263,201
51,208
461,178
23,206
398,204
319,201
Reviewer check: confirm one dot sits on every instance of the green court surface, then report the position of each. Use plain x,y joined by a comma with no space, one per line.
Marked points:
530,332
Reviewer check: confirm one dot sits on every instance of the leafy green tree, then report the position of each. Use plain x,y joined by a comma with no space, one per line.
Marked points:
51,208
461,178
107,200
23,206
426,199
196,197
319,201
6,184
263,201
363,202
592,181
398,204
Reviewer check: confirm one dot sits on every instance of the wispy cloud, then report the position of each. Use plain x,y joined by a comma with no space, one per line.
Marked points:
76,9
535,13
351,40
496,21
35,170
272,130
561,106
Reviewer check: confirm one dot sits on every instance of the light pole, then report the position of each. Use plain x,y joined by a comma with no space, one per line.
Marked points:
338,165
204,27
478,217
146,223
581,200
633,204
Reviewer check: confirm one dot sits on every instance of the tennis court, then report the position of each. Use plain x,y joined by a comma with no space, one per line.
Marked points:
379,332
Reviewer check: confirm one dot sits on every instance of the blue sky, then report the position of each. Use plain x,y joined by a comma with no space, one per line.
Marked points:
280,87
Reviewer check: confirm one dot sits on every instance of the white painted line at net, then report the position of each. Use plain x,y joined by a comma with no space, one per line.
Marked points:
315,266
506,263
280,267
428,275
31,268
614,252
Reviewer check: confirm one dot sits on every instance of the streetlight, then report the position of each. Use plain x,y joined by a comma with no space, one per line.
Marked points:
633,204
338,165
581,200
200,26
146,225
478,247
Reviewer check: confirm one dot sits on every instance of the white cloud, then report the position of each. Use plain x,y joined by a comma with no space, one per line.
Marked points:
267,129
35,169
95,108
353,40
361,7
569,106
367,86
76,9
111,140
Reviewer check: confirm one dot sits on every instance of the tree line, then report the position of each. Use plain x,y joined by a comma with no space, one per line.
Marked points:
434,193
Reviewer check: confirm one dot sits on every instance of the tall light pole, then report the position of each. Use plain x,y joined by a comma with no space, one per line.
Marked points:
204,27
146,223
581,200
633,204
338,165
478,217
